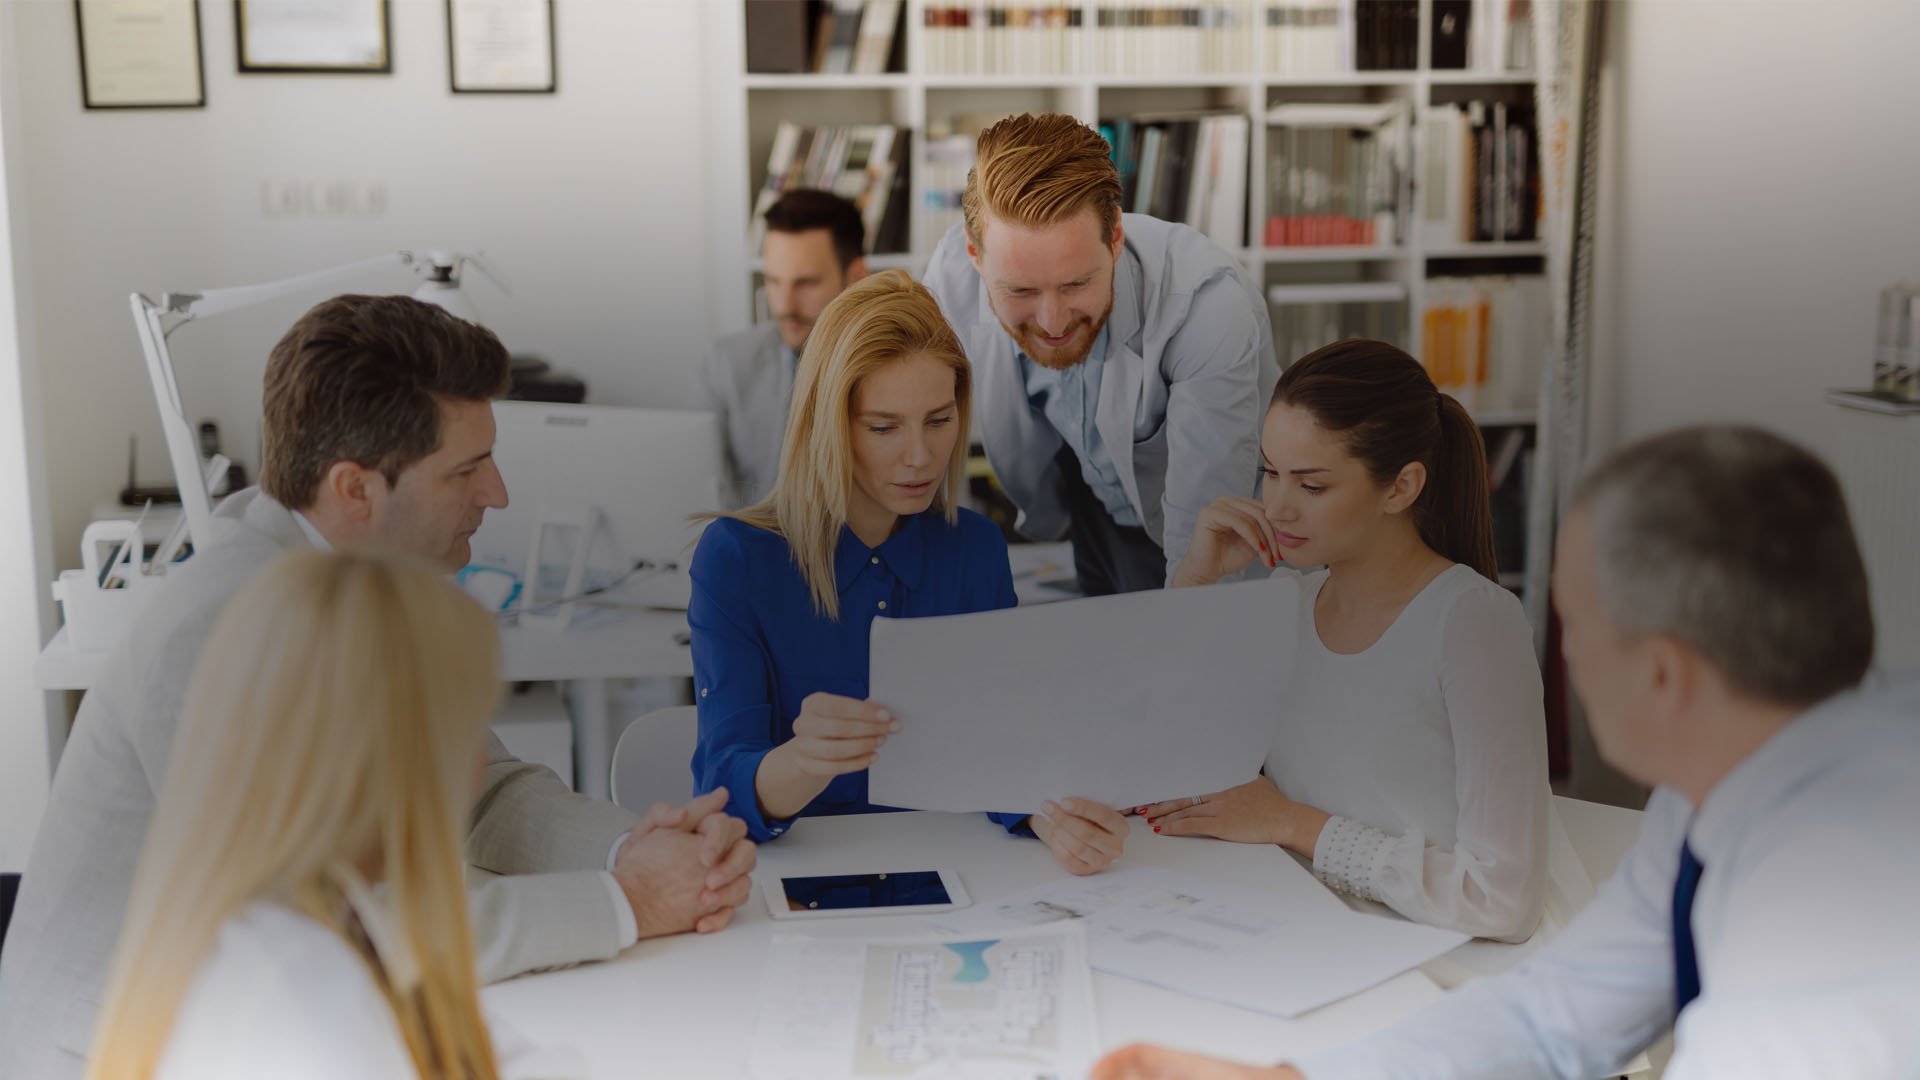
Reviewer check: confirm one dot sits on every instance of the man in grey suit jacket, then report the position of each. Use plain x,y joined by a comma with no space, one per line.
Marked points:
1121,364
812,253
378,432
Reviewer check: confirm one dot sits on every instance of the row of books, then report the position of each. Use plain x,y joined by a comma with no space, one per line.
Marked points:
1299,329
944,164
1481,173
865,163
1190,168
1483,35
1002,37
824,37
1147,37
1135,37
1335,175
1483,339
1185,167
1309,37
1386,35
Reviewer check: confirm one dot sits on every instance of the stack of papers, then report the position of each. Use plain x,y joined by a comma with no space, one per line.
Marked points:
1215,942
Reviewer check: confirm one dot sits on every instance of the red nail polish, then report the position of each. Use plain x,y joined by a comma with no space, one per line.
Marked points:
1156,828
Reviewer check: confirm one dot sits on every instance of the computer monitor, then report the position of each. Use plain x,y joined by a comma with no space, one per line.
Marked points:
645,471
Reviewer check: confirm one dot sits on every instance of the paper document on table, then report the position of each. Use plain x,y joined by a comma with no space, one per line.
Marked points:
1124,700
1017,1006
1216,942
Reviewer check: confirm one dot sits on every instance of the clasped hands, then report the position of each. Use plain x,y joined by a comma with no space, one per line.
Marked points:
685,867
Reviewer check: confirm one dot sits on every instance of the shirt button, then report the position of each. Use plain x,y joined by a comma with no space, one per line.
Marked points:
875,560
703,691
883,605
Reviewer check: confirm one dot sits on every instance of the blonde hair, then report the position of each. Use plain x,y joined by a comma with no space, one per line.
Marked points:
331,728
1036,170
882,320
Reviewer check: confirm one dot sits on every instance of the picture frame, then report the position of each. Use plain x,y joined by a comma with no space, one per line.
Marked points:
140,54
502,47
313,37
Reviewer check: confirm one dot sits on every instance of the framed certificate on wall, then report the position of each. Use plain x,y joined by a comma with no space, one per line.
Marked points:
313,36
501,46
140,54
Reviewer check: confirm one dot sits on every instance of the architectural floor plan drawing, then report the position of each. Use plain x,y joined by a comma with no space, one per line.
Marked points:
1015,1005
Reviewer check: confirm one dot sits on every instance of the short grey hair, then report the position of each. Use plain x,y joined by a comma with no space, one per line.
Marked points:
1737,542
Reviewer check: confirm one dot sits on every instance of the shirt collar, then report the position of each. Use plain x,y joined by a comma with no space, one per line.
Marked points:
313,534
1794,753
904,554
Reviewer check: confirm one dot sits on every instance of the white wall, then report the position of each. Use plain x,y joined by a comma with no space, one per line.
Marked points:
26,729
1763,191
591,201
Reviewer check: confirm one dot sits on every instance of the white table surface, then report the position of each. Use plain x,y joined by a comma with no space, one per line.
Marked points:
684,1007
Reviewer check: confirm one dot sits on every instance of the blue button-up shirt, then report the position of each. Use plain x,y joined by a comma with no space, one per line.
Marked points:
759,648
1070,400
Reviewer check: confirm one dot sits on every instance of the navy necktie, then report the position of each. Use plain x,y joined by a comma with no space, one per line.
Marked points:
1686,965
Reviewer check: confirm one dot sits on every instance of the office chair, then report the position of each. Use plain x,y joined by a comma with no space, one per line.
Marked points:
652,762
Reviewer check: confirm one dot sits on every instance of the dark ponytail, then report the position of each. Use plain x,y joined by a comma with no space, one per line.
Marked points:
1455,512
1381,401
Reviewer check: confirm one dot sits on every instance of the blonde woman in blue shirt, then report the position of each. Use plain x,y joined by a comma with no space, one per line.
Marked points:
863,522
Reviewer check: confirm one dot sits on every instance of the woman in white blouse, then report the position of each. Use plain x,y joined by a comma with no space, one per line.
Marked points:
1409,761
299,910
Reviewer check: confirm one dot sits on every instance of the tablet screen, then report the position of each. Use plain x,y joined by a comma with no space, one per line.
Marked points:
841,892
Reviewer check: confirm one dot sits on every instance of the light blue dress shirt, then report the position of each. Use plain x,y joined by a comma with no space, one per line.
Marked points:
1804,927
1069,400
747,380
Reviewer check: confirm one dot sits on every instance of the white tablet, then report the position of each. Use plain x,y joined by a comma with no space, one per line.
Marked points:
913,892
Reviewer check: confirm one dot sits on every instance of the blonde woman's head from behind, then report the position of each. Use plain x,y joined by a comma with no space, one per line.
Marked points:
331,735
877,429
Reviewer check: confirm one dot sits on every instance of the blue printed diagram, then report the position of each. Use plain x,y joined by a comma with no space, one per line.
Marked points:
973,960
990,1004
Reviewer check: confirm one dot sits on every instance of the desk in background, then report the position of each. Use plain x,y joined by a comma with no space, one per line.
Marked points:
599,647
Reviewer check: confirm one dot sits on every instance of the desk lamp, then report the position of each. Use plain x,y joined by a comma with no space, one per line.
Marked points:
156,320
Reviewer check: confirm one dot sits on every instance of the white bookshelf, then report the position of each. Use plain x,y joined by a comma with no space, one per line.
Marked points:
743,109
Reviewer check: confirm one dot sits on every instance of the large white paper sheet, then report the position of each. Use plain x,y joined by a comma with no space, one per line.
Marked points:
1125,700
1015,1006
1216,942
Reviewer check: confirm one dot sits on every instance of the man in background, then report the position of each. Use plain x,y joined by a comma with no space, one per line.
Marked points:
812,253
